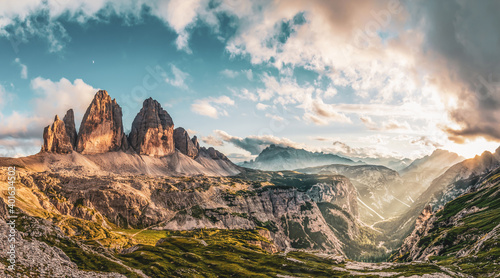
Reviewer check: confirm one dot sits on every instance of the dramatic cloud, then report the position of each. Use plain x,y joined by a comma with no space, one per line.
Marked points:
255,144
463,43
212,107
25,19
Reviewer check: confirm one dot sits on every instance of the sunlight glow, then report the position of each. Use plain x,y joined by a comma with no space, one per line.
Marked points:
473,148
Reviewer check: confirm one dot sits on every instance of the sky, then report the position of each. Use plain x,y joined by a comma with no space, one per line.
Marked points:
356,78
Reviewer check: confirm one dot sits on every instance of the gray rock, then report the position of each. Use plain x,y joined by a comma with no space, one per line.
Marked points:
152,130
184,144
69,124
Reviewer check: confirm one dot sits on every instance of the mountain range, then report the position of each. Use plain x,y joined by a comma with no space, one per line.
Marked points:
153,203
153,146
277,158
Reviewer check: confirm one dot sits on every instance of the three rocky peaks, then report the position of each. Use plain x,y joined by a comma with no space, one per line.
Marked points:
101,131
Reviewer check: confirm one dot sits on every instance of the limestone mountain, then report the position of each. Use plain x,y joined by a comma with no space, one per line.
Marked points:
101,147
69,123
152,130
101,129
277,158
57,137
184,144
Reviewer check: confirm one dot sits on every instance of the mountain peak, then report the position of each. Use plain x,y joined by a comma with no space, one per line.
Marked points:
152,130
101,129
58,137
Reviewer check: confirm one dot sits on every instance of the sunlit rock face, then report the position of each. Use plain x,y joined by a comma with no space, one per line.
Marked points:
56,138
152,130
101,129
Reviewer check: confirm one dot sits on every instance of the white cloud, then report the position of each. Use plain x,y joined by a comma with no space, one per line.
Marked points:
261,106
274,117
233,73
178,79
248,73
23,16
24,68
211,106
246,94
51,98
18,147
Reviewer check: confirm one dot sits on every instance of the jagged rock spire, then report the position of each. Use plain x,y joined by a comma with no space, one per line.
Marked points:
184,144
152,130
101,129
56,137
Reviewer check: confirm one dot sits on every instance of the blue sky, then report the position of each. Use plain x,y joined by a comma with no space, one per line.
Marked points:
369,78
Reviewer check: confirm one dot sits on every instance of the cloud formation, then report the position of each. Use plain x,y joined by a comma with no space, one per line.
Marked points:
177,78
255,144
212,107
52,98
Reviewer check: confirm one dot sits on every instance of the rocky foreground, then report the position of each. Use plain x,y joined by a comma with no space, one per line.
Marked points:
140,226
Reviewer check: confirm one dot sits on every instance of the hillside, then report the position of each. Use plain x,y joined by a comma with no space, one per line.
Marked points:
462,235
140,226
381,192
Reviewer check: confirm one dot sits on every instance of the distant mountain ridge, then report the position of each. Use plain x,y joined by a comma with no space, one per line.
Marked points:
379,189
466,230
454,182
277,158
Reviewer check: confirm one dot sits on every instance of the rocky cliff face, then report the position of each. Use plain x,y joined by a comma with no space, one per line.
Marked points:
466,230
102,129
423,224
311,217
152,130
57,138
69,124
213,153
454,182
184,144
381,191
